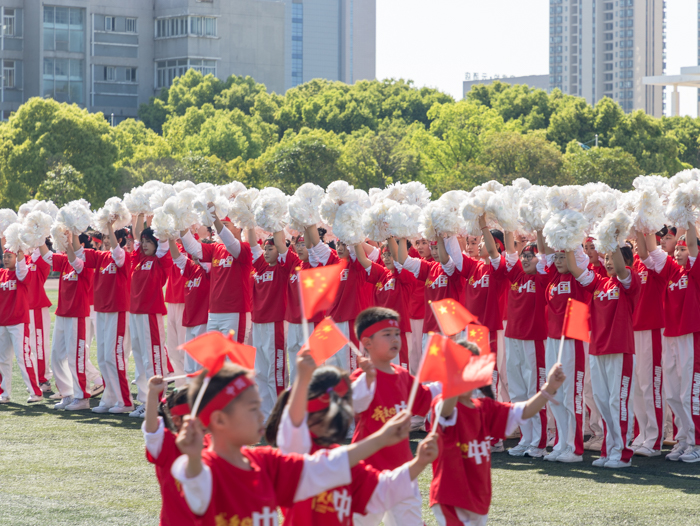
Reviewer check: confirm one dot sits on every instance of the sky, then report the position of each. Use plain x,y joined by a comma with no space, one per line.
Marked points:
435,42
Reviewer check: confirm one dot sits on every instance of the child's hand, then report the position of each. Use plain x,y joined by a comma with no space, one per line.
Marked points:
305,366
556,377
428,449
157,384
369,369
190,439
396,429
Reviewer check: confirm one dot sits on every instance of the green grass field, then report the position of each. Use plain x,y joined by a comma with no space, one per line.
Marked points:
59,468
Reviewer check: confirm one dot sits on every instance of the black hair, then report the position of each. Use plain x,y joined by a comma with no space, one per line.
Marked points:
121,236
96,235
408,244
337,416
147,233
85,240
369,317
627,255
486,390
228,372
530,247
176,397
321,233
331,245
684,238
666,229
49,244
497,234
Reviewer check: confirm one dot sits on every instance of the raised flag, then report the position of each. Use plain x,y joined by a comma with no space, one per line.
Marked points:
325,341
479,371
444,362
211,349
319,287
576,324
452,316
479,335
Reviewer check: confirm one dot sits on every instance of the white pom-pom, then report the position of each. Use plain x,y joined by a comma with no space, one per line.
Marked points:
612,231
340,192
181,208
662,185
403,221
362,198
163,225
598,205
7,217
138,201
447,218
415,193
375,223
211,194
683,177
374,194
161,195
270,209
183,185
503,206
232,189
561,197
75,217
26,208
427,220
648,216
395,192
47,207
521,184
348,226
473,208
533,208
115,211
304,206
152,185
36,228
13,238
565,229
684,204
59,236
241,212
490,186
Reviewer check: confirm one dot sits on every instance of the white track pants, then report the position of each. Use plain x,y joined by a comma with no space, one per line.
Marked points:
593,420
405,513
39,328
612,376
69,357
270,373
294,336
176,337
14,339
345,359
649,400
452,515
113,338
91,372
224,322
681,370
148,347
190,334
500,373
415,346
525,367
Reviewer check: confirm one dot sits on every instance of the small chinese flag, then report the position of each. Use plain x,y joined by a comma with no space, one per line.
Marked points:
325,341
210,350
576,324
480,336
452,316
444,362
319,287
479,371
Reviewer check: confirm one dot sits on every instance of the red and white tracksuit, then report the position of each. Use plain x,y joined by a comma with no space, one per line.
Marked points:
39,316
293,327
416,310
176,332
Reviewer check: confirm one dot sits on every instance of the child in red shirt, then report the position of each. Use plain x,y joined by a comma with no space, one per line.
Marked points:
416,306
176,331
39,317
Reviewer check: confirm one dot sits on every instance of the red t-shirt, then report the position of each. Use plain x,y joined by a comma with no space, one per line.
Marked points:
270,288
175,289
74,290
230,278
416,305
612,307
351,298
462,471
393,290
111,283
649,311
485,291
682,301
438,286
527,304
390,397
147,281
561,287
14,301
196,286
39,271
600,270
251,497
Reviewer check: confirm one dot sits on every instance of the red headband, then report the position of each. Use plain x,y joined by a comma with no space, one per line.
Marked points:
681,243
300,239
658,239
269,242
234,388
500,244
373,329
96,239
180,409
433,243
531,248
322,402
227,218
589,239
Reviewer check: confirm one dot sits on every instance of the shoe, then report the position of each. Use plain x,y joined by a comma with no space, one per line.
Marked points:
594,444
35,398
121,409
617,464
569,456
78,404
56,396
4,399
551,438
669,441
677,451
692,454
554,455
97,389
64,403
133,382
101,409
45,387
599,462
518,451
498,447
139,412
644,451
535,452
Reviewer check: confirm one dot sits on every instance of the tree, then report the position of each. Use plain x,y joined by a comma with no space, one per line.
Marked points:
135,142
686,132
572,119
612,166
62,185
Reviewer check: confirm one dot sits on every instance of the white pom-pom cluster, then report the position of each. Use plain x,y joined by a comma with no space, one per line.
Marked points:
612,231
47,207
181,208
533,208
13,238
403,221
26,208
375,221
7,217
446,217
159,197
232,189
473,208
304,206
683,177
649,214
565,229
598,205
114,211
337,193
241,212
163,225
270,210
569,197
415,193
684,205
138,201
503,207
36,227
348,223
183,185
75,216
59,236
210,194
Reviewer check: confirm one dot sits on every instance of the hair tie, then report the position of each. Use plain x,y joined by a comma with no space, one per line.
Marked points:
322,402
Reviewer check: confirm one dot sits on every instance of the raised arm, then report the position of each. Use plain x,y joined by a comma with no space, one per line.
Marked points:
137,227
489,242
280,243
571,263
393,248
642,245
112,238
691,239
542,246
402,251
362,256
619,264
174,250
509,242
442,251
311,236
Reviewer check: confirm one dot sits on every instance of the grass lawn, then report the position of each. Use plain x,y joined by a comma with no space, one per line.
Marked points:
60,468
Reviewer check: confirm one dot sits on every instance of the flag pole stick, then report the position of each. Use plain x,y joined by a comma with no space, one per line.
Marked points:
416,383
173,378
438,413
304,321
200,394
563,337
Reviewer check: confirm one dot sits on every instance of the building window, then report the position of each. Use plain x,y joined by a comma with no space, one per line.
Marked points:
110,73
203,26
63,80
8,23
64,29
170,69
131,25
110,23
131,74
297,44
183,26
8,74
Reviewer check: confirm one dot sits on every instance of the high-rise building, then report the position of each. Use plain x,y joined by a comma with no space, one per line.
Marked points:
603,48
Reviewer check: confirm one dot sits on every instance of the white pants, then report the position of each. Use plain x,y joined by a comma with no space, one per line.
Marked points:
294,336
39,328
344,359
176,337
113,338
15,339
415,346
91,372
568,415
69,357
526,375
681,371
405,513
612,376
595,422
466,517
649,400
500,386
191,333
270,374
148,347
225,322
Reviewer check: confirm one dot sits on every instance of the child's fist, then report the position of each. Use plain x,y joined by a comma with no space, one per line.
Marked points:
157,384
368,368
305,365
190,439
556,377
428,449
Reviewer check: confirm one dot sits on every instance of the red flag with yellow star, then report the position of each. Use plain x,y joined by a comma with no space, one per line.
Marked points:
480,336
211,349
325,341
452,316
444,362
319,287
576,325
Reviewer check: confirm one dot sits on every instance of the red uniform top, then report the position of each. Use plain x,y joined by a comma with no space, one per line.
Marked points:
175,289
527,304
230,278
251,497
438,286
14,301
73,289
351,298
111,282
612,308
649,311
39,271
485,288
393,291
416,305
561,287
196,293
682,301
462,471
390,397
270,288
147,281
336,506
600,270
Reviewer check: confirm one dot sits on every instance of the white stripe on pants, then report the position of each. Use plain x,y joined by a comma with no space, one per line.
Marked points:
15,339
502,394
69,357
415,346
148,346
229,321
39,344
595,422
649,400
269,362
113,338
341,359
294,336
677,363
524,379
191,333
176,337
405,513
466,517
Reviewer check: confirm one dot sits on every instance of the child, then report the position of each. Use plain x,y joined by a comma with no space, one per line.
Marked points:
231,483
317,415
176,331
39,316
460,492
376,401
416,307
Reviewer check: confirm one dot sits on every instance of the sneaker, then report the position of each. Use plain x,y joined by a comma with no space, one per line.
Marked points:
617,464
692,454
56,396
139,412
677,451
121,409
535,452
97,389
644,451
78,404
4,399
554,455
133,382
45,387
498,447
35,398
569,456
101,409
551,438
518,451
593,444
64,403
600,462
